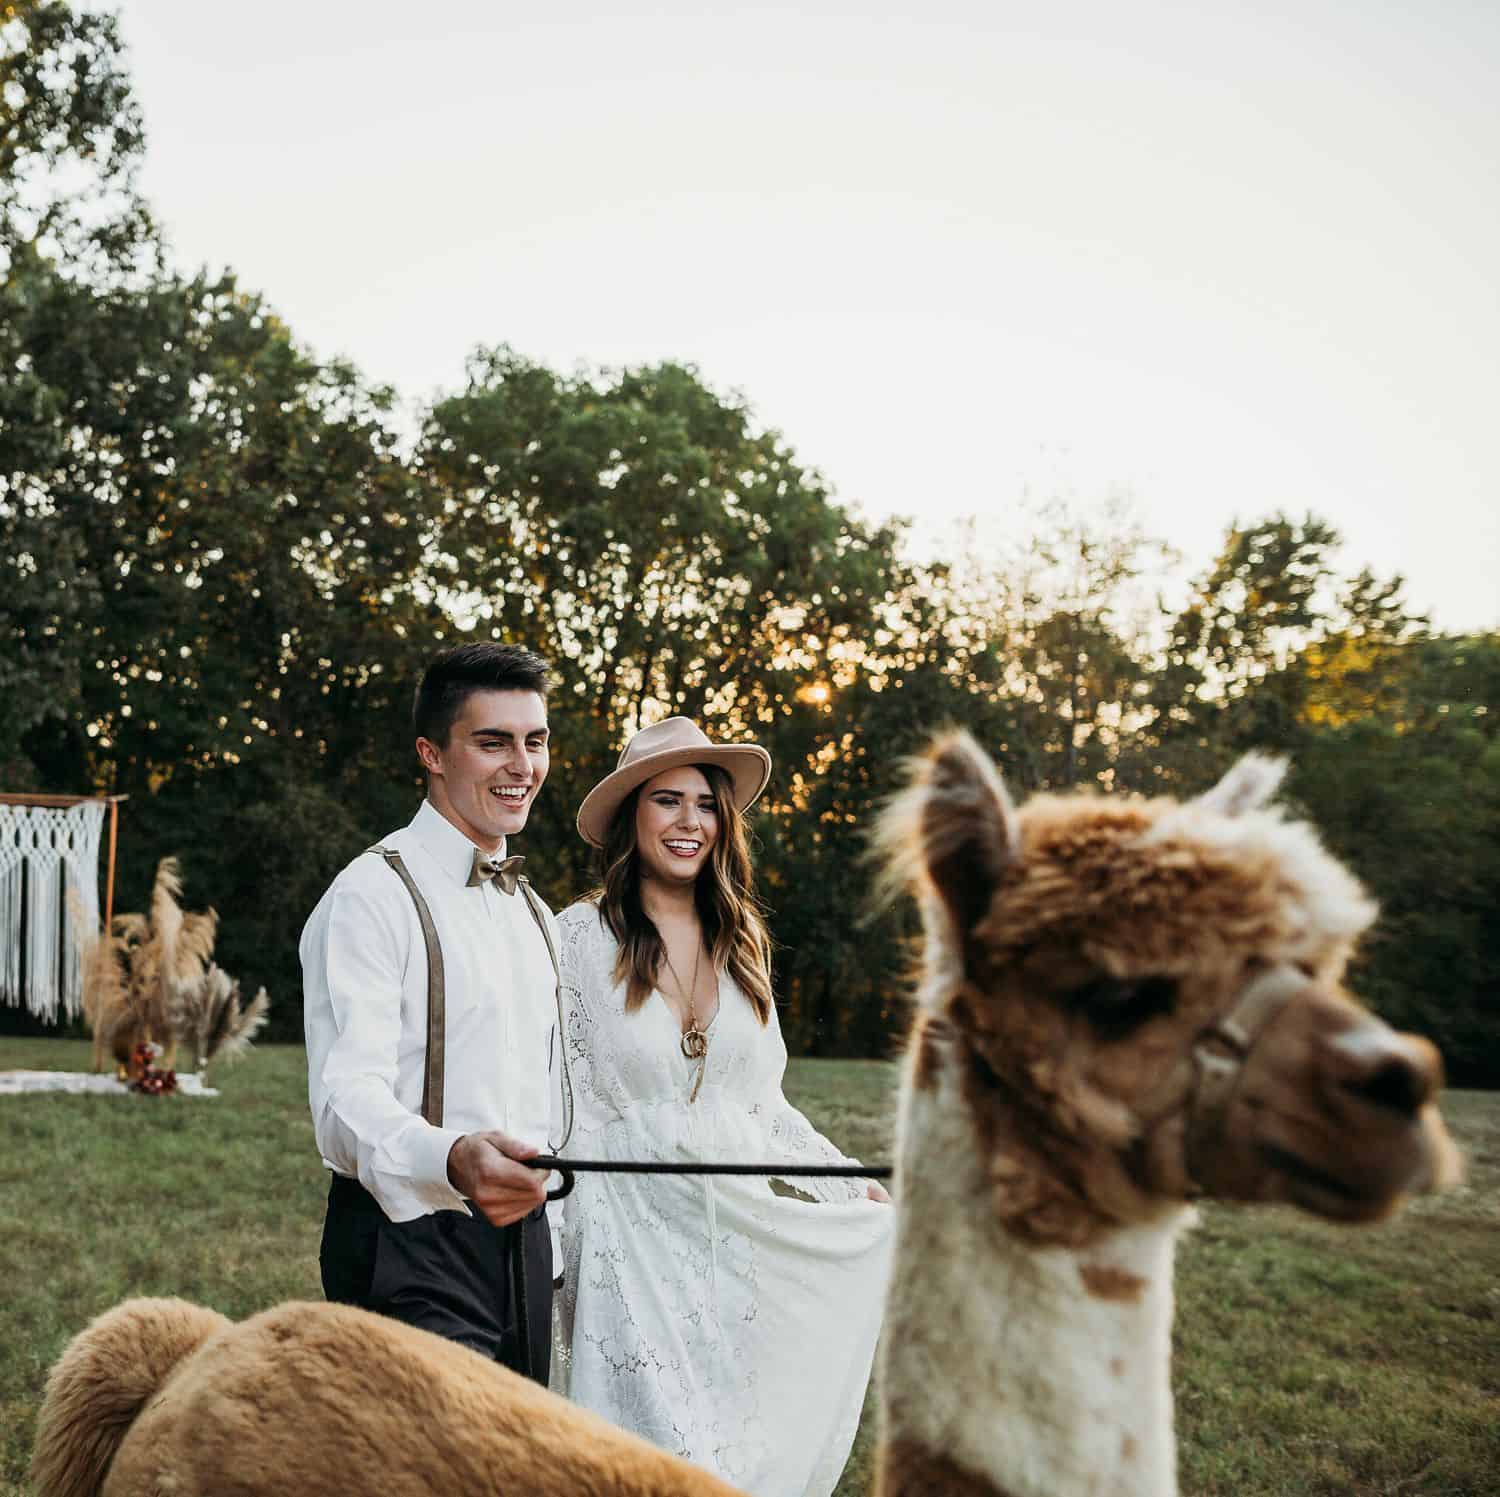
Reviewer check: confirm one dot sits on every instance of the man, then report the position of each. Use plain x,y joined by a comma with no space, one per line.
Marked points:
428,1194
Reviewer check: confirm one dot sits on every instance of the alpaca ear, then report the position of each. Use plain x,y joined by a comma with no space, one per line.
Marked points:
1247,787
965,827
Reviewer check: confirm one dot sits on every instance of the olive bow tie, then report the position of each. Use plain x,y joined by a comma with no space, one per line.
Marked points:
506,872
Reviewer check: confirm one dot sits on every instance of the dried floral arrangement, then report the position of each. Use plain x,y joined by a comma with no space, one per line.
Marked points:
148,1077
152,981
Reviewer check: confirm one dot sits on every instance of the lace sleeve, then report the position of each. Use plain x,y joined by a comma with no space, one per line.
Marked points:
789,1136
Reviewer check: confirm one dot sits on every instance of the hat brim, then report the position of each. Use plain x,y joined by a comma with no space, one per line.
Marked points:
749,767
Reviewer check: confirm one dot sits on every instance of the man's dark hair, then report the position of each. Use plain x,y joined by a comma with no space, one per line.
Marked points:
455,675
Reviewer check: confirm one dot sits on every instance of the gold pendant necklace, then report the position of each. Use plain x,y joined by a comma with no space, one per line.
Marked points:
694,1041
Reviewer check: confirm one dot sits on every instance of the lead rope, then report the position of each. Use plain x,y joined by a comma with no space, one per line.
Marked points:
567,1168
517,1254
534,905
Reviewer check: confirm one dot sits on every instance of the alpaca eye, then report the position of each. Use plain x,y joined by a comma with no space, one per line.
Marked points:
1119,1004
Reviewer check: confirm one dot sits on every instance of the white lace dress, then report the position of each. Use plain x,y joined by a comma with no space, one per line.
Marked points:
719,1320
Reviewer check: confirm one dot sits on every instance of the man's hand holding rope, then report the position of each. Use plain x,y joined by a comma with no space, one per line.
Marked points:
487,1169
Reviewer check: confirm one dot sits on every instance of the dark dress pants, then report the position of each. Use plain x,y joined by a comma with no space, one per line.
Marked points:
447,1273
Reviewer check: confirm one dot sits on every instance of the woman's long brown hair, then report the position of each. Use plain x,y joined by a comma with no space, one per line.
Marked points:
729,913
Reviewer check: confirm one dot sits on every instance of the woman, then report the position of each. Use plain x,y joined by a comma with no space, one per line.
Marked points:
715,1317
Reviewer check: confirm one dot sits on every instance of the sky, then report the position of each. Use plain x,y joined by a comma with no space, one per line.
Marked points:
1224,259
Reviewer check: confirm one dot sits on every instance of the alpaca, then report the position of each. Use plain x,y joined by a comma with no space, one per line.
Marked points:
161,1396
1124,1005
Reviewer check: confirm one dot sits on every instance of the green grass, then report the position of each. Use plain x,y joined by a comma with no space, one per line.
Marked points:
1309,1359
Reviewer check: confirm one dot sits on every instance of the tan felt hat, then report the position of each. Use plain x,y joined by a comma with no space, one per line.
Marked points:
665,745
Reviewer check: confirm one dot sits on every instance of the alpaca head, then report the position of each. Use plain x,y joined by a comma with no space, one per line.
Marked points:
1135,1002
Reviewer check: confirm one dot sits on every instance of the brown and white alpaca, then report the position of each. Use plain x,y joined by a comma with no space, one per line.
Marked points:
1124,1005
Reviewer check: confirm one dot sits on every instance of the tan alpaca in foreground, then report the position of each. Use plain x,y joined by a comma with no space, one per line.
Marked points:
1124,1005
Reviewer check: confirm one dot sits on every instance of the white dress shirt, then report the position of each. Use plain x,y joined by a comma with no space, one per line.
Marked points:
364,974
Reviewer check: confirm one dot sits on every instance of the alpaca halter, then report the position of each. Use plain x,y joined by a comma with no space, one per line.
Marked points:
1205,1082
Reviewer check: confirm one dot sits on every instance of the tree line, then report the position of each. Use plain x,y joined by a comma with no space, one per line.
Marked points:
224,562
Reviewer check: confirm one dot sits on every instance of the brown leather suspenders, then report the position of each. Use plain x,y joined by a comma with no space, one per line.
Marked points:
432,1082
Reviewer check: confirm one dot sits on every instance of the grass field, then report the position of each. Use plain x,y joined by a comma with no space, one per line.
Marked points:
1309,1359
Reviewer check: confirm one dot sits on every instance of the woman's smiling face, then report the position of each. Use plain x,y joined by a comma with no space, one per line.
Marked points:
676,825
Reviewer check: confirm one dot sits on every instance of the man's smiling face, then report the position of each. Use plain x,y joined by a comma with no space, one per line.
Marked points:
486,776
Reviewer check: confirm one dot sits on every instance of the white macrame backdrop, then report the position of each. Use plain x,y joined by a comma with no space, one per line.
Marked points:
48,850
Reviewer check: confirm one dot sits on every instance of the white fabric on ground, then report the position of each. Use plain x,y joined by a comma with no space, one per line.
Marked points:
14,1083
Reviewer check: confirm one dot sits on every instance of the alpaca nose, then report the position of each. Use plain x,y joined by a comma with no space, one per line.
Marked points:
1396,1072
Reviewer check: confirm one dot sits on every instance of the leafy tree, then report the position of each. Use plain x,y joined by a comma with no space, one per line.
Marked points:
1410,795
1261,596
1359,668
240,516
70,146
1231,676
71,143
843,965
1078,620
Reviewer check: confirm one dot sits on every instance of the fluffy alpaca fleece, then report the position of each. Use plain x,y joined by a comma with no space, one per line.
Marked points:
158,1398
1076,951
1047,1364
